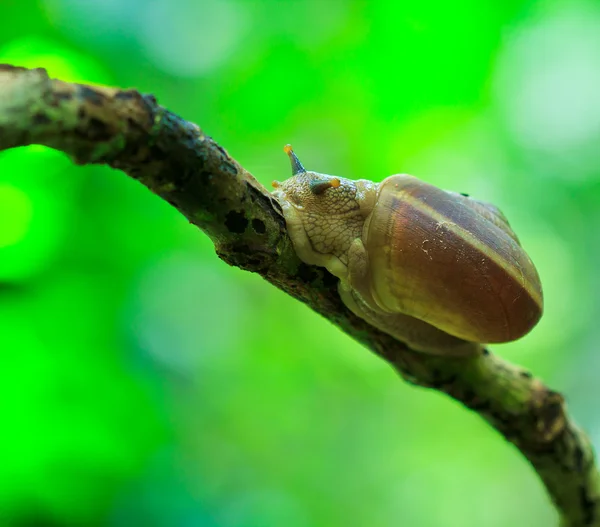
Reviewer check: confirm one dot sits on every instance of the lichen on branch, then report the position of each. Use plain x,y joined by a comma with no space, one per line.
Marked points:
177,161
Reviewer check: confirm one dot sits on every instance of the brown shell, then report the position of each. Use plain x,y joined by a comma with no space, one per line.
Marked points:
435,256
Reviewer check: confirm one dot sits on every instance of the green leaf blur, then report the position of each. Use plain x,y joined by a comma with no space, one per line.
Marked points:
146,383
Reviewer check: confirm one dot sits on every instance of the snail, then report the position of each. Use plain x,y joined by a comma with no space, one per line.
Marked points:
440,271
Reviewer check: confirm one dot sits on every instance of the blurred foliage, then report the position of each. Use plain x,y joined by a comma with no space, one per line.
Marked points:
146,383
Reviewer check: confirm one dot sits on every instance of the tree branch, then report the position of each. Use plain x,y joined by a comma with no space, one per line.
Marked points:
182,165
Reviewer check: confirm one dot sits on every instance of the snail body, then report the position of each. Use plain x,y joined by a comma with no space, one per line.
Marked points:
438,270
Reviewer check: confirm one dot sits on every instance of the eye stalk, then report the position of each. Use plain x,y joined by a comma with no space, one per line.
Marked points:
318,187
297,167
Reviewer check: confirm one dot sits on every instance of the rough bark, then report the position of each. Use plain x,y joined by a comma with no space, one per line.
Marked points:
188,169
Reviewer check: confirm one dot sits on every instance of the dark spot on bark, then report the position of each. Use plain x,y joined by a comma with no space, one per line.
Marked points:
468,396
486,351
92,96
222,150
97,129
81,113
329,281
477,404
156,154
526,374
464,194
150,99
552,410
254,262
244,257
588,506
229,167
126,95
266,201
443,378
579,459
236,221
306,273
130,122
259,226
58,97
437,380
40,118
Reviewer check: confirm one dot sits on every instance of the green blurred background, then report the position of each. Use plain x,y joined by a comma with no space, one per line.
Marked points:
144,382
